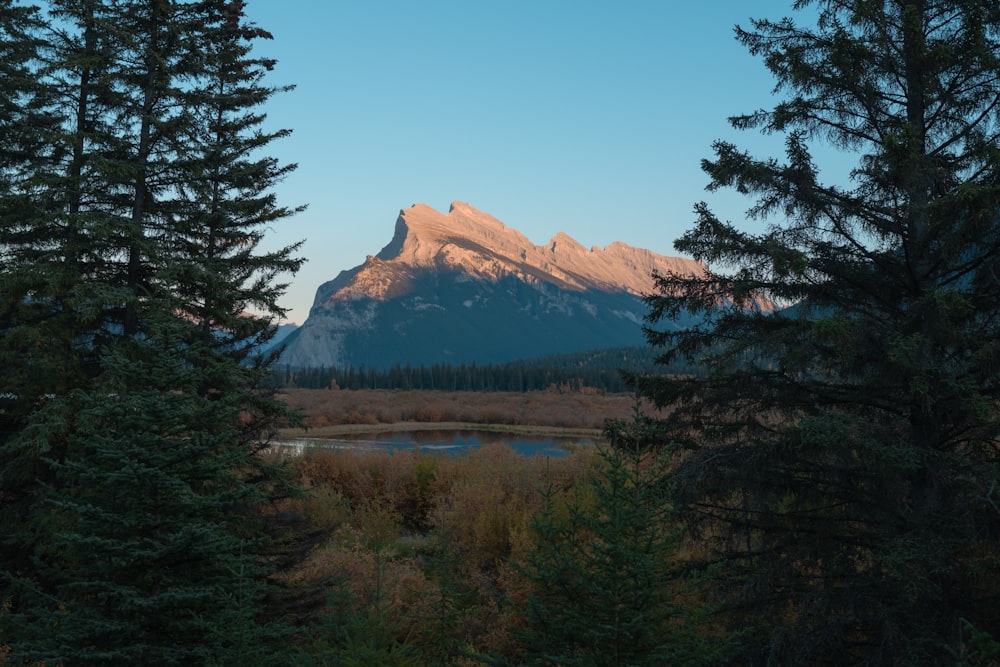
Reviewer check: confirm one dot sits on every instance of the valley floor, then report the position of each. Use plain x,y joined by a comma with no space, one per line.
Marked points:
332,412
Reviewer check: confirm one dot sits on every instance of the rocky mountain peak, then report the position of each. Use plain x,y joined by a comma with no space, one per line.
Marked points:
468,241
464,287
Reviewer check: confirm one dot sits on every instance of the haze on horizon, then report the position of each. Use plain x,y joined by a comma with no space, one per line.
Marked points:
586,119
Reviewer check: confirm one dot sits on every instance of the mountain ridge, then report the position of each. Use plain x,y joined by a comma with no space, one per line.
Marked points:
482,246
462,286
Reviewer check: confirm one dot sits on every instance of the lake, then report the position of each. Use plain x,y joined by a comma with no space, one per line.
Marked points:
450,442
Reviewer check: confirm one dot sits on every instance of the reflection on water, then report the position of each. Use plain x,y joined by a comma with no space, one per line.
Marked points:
444,442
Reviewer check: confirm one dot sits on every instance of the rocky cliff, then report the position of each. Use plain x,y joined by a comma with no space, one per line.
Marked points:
463,287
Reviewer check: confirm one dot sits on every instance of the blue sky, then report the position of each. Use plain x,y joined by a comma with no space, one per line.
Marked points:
552,115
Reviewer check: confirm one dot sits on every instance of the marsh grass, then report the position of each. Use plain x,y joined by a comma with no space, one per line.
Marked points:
424,543
331,412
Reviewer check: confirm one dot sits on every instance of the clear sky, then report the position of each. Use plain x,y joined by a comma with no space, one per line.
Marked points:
551,115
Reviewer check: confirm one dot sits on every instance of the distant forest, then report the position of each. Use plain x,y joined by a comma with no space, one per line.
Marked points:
600,370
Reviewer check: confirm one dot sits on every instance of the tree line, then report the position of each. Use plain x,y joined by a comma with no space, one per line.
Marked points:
600,370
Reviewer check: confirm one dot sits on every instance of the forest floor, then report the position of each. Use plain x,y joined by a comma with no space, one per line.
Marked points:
338,411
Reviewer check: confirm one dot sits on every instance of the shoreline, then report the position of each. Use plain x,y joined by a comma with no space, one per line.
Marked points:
397,427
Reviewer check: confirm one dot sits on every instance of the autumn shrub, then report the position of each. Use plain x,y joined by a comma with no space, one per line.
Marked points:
356,417
429,413
421,544
488,504
415,496
374,588
577,409
336,469
407,480
322,506
377,523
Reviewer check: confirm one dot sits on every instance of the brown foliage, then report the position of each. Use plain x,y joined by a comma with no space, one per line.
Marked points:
492,496
392,518
325,407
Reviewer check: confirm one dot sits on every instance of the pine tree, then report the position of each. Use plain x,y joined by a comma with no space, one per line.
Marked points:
133,480
607,583
225,204
35,332
150,543
840,457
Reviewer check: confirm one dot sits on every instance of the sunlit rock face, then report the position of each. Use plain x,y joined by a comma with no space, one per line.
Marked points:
462,287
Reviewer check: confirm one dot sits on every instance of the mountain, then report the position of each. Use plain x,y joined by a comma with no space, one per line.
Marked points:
462,287
284,331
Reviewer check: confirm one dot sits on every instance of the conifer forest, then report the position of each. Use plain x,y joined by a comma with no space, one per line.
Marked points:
809,475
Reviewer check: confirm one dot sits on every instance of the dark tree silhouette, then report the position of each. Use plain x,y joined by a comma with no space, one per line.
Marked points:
839,462
133,485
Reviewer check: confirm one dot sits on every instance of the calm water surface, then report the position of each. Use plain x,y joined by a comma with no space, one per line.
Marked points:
444,442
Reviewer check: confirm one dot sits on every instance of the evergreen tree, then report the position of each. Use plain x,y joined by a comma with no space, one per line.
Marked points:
355,637
840,460
36,333
225,203
608,588
132,477
147,538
